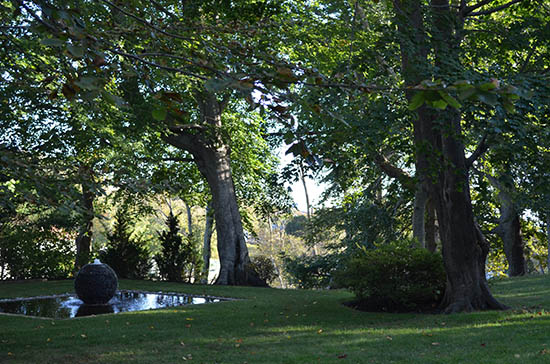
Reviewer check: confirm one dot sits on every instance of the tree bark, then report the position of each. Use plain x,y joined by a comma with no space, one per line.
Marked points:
440,158
430,228
308,206
208,230
548,243
189,218
212,156
303,179
419,213
83,241
509,230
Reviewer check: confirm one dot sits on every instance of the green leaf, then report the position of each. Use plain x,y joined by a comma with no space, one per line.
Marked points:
115,100
463,85
159,114
216,84
417,100
509,107
87,83
450,100
488,98
53,42
289,137
487,86
439,104
76,51
466,93
295,149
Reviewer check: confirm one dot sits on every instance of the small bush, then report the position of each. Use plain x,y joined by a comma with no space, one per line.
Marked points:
310,271
395,277
129,257
264,267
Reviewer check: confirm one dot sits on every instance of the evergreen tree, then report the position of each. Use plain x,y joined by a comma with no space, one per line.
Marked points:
129,257
178,258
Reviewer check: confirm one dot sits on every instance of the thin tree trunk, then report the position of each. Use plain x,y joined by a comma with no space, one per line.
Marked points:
509,230
208,230
83,241
303,179
189,218
308,206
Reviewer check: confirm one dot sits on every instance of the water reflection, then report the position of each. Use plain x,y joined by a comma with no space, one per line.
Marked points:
68,306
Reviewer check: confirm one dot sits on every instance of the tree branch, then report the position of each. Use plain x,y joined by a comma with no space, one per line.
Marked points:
167,68
38,19
494,10
527,59
163,9
146,23
481,148
468,9
392,171
178,129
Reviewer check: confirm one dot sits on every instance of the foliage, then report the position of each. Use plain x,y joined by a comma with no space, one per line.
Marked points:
395,277
29,251
129,257
264,267
311,271
178,258
296,226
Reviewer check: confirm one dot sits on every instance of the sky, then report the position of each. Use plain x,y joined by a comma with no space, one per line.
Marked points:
314,188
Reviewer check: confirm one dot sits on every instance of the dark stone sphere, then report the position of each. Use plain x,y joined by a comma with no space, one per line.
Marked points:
96,283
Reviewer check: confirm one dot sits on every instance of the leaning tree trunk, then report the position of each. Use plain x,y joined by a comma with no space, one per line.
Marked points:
232,249
83,241
440,154
212,156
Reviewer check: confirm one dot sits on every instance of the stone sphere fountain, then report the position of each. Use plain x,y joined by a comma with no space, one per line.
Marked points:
96,283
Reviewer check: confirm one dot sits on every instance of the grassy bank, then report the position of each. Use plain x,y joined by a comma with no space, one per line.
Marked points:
281,326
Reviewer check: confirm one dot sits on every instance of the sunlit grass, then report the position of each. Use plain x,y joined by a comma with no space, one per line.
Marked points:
281,326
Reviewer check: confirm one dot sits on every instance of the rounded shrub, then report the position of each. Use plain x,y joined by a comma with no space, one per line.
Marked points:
395,277
264,267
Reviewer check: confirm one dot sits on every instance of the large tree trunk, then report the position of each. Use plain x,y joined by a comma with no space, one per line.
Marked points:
212,157
419,214
463,247
548,243
232,249
84,239
440,157
430,228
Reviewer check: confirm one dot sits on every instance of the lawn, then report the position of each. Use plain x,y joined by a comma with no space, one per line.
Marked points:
281,326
